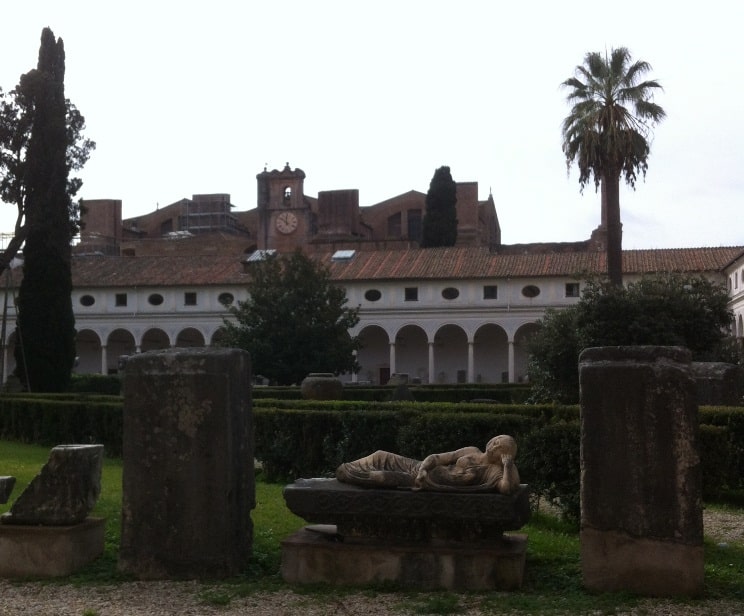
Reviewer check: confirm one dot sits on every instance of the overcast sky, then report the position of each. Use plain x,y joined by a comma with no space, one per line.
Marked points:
196,97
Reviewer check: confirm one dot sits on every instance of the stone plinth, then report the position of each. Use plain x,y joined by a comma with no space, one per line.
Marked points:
419,539
366,514
188,479
49,551
315,557
641,487
65,490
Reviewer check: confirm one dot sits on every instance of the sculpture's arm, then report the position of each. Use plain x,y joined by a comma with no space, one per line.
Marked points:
446,458
441,459
510,478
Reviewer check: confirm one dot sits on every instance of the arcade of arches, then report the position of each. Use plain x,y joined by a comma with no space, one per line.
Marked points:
450,355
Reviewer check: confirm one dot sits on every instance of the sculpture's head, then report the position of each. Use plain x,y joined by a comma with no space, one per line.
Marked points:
500,446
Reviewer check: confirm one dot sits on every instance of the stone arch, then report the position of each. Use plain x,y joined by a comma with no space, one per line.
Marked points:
374,355
521,353
491,354
119,343
450,355
218,337
88,351
154,339
412,352
190,337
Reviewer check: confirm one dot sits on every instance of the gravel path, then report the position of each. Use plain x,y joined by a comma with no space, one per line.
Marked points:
193,598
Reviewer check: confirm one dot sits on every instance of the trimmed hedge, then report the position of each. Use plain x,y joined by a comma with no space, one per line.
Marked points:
309,438
47,420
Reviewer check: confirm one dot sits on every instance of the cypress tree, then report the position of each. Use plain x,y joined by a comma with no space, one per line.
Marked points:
45,343
440,218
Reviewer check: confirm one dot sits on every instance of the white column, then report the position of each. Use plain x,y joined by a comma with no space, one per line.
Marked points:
392,358
104,361
354,374
512,376
431,362
471,362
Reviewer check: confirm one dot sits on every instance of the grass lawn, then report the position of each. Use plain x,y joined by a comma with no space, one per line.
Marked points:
552,578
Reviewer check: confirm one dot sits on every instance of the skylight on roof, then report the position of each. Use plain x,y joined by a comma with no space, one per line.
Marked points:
260,255
343,255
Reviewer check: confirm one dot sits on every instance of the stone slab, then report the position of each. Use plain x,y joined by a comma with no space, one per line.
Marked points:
311,557
405,515
7,483
49,551
613,561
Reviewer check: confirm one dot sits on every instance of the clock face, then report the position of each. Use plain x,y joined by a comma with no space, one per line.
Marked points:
286,222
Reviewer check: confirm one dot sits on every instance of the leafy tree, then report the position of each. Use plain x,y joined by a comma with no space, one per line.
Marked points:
294,322
439,226
662,309
607,133
41,143
16,121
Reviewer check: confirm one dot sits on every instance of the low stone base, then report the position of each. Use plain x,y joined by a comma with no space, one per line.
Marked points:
49,551
613,561
312,557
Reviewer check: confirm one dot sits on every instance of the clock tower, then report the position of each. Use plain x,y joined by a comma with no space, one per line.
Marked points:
284,217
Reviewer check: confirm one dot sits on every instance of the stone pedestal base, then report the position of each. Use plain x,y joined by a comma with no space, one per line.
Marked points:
312,557
49,551
613,561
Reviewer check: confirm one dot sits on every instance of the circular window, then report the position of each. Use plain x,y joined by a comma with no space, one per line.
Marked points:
531,291
450,293
225,299
372,295
155,299
87,300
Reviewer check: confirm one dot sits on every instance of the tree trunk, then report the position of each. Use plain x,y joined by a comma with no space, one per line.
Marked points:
611,201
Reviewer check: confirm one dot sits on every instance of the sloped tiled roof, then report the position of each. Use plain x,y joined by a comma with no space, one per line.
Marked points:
439,263
420,264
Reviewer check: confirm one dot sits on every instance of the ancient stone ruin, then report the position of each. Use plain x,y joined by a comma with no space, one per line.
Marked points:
48,530
393,519
641,485
188,478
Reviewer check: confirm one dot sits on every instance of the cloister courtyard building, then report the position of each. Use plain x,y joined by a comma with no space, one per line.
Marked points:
443,315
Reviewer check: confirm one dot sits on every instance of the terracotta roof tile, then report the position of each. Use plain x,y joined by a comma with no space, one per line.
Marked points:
420,264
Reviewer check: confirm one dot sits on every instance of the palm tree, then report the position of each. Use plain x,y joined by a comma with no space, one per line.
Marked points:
607,133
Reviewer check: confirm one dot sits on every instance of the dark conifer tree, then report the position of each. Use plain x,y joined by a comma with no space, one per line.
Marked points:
440,218
45,344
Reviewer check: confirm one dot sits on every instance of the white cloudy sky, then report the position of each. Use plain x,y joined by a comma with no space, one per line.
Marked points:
196,97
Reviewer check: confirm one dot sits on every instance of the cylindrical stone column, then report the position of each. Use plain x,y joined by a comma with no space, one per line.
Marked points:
641,486
188,480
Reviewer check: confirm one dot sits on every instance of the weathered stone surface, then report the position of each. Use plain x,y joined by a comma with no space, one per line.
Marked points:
188,480
718,383
7,483
65,490
322,386
364,514
49,551
641,481
311,557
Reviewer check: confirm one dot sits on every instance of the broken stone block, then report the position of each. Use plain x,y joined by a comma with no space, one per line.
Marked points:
6,487
64,492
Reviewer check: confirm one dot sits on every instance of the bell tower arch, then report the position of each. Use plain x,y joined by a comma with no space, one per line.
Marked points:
284,217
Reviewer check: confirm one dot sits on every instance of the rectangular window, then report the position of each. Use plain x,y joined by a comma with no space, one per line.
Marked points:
189,298
411,294
120,299
490,291
572,289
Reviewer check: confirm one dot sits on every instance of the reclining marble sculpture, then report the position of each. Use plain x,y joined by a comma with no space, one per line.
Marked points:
465,470
432,523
